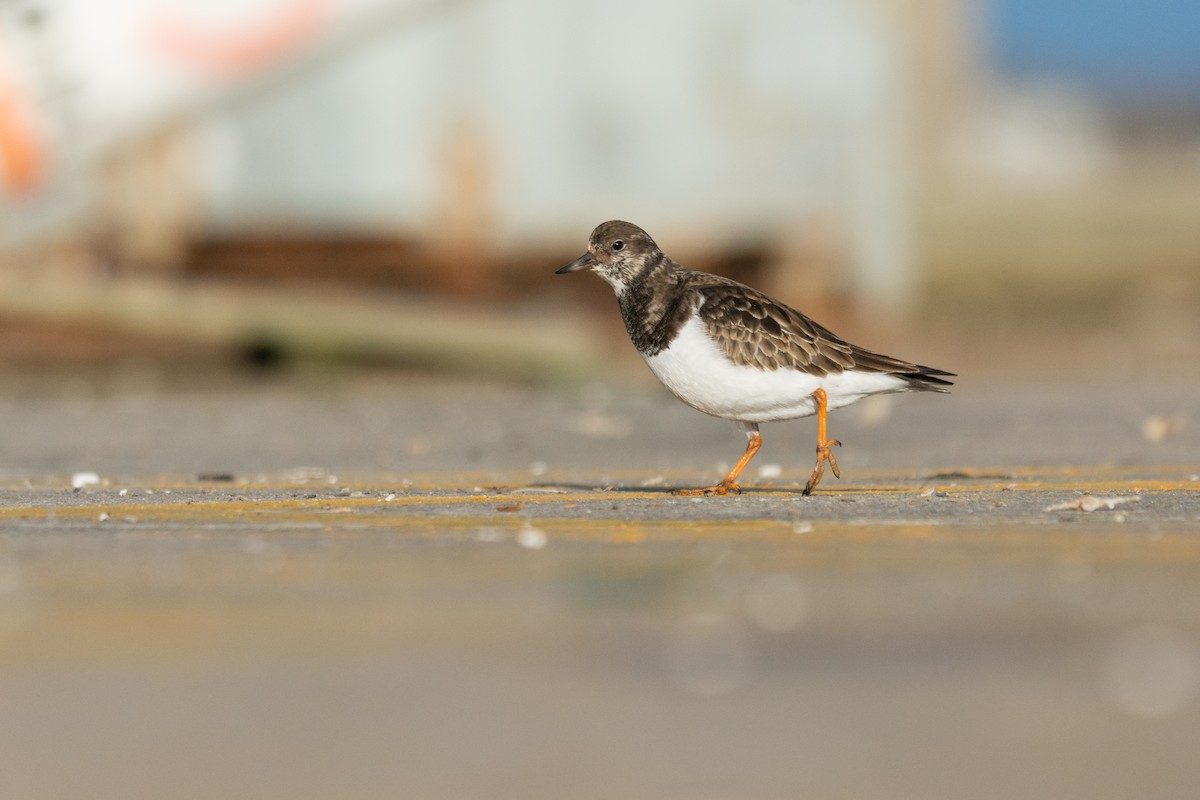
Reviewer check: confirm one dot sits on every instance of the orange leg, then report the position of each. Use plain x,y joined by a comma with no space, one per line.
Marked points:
727,485
823,445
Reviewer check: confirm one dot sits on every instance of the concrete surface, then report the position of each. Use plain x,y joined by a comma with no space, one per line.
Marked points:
330,585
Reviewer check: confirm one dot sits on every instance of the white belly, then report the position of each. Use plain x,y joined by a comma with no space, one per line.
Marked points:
699,374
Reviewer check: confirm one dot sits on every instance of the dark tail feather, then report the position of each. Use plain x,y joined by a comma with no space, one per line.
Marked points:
920,377
928,379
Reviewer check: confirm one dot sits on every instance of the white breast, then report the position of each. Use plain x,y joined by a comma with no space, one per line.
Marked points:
699,374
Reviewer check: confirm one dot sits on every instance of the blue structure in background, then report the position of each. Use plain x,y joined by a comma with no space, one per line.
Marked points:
1122,51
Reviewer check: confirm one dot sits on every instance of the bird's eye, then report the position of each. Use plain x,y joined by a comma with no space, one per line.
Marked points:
618,245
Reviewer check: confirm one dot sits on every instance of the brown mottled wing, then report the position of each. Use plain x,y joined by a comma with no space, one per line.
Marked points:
756,330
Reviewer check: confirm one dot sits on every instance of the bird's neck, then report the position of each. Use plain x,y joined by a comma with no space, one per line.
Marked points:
650,306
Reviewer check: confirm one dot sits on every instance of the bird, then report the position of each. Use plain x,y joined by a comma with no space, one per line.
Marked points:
733,352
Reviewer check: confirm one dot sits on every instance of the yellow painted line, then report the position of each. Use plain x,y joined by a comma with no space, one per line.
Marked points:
1167,476
200,508
849,543
239,508
516,490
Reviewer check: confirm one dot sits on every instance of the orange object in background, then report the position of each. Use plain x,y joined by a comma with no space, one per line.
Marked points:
233,49
22,154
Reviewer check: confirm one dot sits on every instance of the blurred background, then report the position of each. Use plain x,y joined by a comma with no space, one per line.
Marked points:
393,180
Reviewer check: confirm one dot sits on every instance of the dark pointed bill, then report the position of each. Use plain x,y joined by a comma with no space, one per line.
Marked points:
585,261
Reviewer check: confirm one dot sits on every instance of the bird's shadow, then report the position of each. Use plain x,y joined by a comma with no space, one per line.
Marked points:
667,491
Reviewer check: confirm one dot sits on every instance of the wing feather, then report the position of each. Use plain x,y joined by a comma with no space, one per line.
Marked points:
756,330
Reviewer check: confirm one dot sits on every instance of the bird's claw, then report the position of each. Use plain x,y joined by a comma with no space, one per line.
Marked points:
824,454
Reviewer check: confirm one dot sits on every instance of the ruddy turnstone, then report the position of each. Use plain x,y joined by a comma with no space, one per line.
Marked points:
733,352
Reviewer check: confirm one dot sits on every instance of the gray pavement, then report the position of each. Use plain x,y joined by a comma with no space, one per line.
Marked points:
380,585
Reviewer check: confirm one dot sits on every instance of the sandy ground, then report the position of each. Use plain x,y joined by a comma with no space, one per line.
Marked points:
345,585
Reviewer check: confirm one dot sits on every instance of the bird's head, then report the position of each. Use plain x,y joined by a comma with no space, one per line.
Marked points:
617,252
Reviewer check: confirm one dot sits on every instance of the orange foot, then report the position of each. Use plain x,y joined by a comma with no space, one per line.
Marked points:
823,454
727,485
823,445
